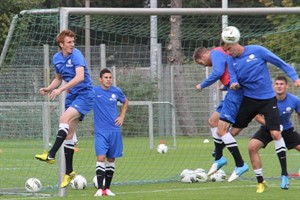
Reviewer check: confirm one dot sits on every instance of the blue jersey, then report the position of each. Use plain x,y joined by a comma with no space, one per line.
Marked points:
66,67
106,108
219,64
251,71
286,107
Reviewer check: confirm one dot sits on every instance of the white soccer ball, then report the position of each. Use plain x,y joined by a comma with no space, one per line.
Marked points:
231,35
219,176
201,175
96,182
33,185
189,176
78,183
162,148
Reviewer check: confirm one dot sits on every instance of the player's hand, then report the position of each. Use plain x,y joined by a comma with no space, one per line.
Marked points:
234,86
44,91
55,93
297,82
119,121
198,87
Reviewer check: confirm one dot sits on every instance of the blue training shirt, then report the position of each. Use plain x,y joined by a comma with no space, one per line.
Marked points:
66,67
286,107
219,65
106,108
251,71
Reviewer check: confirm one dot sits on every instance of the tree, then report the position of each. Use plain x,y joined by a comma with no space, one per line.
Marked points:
10,8
175,61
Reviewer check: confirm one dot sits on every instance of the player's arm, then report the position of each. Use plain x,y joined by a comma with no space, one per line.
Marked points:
119,121
54,84
275,60
79,77
218,60
234,84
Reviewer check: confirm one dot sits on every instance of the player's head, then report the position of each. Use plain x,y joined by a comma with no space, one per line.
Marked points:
61,38
105,78
230,35
280,85
202,56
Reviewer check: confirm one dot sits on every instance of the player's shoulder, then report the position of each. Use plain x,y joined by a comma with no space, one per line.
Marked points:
292,96
115,88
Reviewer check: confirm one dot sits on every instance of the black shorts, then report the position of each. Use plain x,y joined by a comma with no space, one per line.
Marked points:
290,136
251,107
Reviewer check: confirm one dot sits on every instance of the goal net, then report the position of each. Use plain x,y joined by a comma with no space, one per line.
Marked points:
158,78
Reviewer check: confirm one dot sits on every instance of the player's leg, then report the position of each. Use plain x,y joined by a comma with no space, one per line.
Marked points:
259,140
109,173
69,146
228,115
272,118
213,123
101,148
63,130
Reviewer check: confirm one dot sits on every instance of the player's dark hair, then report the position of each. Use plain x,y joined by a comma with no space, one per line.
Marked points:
199,52
281,78
61,36
104,71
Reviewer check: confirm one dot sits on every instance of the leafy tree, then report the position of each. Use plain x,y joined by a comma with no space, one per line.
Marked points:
285,42
10,8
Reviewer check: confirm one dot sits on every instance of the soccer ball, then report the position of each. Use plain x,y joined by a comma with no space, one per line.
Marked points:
162,148
219,176
200,175
78,183
33,185
188,177
231,35
96,182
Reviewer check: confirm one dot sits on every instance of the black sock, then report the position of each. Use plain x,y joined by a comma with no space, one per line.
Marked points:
69,152
100,172
60,137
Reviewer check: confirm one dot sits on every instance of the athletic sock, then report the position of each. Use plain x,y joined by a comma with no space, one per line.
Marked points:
60,137
219,145
281,154
100,173
259,175
109,173
232,146
69,153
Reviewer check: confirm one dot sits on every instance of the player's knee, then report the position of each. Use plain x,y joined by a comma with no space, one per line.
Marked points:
212,122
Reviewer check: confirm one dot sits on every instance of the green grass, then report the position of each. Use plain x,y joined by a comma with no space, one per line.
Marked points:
142,173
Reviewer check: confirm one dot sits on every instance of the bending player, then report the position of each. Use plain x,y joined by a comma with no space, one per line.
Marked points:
226,112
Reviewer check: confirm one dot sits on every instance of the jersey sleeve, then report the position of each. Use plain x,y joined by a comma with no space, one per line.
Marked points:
278,62
231,70
218,68
78,59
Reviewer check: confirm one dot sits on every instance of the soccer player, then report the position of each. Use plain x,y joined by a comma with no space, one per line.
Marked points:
248,69
71,67
287,103
107,127
221,120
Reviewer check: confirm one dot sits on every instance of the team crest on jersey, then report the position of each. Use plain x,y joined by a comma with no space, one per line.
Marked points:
251,58
69,63
113,97
288,109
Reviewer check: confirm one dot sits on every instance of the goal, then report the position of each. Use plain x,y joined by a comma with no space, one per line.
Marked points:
158,78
